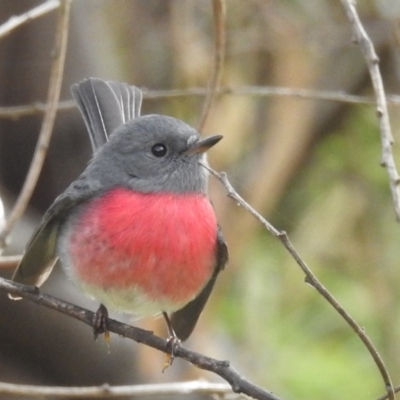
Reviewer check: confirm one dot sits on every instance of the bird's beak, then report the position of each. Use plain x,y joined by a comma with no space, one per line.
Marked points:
203,145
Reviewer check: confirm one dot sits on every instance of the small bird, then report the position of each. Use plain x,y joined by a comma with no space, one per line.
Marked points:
136,230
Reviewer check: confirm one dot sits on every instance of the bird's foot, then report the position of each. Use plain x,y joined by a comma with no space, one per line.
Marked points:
100,324
173,343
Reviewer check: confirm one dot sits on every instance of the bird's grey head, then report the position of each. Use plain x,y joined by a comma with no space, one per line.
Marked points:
153,153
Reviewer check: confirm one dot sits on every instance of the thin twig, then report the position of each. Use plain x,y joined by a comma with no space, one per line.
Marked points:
37,108
16,21
386,396
53,96
219,13
221,368
372,60
160,389
311,279
2,221
2,215
16,112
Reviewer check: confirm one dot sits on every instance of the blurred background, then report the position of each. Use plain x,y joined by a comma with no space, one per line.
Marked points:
310,166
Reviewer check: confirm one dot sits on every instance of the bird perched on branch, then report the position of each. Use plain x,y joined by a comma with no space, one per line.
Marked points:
136,230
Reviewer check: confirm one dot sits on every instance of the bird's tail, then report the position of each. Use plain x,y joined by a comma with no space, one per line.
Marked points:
105,106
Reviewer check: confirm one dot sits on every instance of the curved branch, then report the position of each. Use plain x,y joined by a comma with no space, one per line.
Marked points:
219,12
372,60
48,122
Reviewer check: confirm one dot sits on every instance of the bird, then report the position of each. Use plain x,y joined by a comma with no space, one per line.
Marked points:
136,230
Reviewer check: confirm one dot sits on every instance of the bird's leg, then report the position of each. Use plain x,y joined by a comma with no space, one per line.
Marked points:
100,324
173,341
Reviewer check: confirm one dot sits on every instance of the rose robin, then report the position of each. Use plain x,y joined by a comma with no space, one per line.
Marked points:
136,230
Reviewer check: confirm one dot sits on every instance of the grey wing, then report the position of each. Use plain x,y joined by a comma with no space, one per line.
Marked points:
105,106
39,257
184,320
40,254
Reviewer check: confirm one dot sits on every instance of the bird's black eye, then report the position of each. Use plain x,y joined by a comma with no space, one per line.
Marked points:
159,150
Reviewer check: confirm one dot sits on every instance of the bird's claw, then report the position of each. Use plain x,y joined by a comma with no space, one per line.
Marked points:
100,323
173,343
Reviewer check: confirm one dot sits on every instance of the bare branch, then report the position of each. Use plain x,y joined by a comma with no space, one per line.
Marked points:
38,108
219,12
386,396
372,60
221,368
311,279
48,121
161,389
2,218
15,22
16,112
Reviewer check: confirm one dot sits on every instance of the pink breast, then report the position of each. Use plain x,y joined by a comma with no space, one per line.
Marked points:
164,244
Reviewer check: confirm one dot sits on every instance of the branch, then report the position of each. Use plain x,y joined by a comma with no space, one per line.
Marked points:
16,112
37,108
48,122
386,396
372,60
162,389
2,220
219,13
221,368
311,279
15,22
